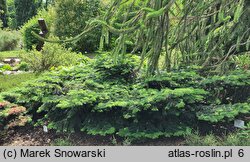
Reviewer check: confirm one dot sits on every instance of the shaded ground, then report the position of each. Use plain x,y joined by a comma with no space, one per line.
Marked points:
29,136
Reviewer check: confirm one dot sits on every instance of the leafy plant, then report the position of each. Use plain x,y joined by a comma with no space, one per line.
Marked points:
51,56
242,61
230,88
23,66
6,67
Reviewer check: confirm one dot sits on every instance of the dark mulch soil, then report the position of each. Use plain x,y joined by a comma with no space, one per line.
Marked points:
30,136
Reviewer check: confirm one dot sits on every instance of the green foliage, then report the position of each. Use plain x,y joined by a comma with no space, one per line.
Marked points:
84,97
124,70
11,14
178,79
103,98
238,138
5,67
203,33
195,139
25,9
23,66
228,98
32,26
71,19
62,142
7,54
8,82
3,12
242,61
9,40
52,56
231,88
219,113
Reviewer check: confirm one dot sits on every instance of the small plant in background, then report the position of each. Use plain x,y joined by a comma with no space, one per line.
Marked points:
70,24
6,67
23,66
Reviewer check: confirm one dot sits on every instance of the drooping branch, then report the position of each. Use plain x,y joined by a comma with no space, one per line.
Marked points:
190,30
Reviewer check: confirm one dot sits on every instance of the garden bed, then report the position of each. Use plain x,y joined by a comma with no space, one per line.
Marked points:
35,136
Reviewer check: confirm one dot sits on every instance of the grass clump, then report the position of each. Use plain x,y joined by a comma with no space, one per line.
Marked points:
239,138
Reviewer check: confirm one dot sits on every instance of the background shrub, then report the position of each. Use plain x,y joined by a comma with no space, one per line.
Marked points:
23,66
71,19
32,25
51,56
9,40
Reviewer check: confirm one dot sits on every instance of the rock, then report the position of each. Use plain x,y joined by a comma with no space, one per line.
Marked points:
13,72
18,60
8,61
12,61
7,72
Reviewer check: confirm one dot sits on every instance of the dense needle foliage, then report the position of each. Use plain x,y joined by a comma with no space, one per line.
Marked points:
189,69
103,98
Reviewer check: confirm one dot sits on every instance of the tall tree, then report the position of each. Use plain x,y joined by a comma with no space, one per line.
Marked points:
3,12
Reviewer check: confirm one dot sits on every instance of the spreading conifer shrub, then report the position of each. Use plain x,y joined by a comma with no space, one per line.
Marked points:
104,98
